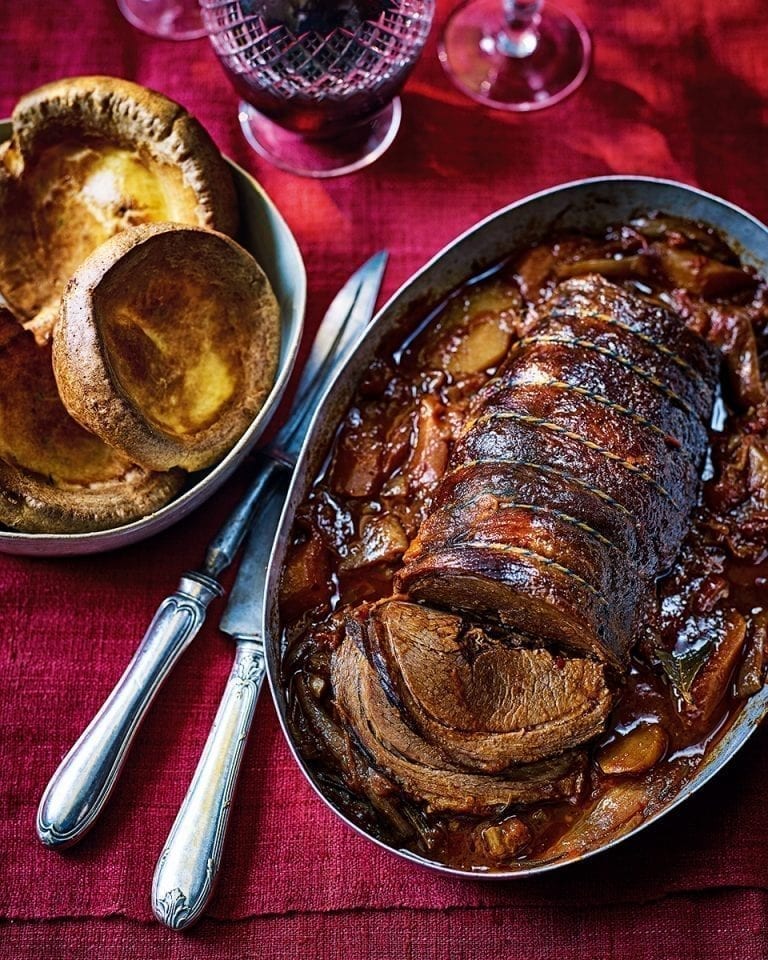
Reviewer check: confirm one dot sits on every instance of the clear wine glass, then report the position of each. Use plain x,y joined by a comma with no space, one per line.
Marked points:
515,54
168,19
318,78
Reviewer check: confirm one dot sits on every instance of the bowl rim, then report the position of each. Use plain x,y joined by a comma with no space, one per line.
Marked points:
195,494
745,721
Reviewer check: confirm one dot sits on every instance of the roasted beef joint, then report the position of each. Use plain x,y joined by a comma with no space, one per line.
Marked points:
569,489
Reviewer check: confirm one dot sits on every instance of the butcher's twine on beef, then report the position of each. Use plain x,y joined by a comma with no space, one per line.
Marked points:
569,490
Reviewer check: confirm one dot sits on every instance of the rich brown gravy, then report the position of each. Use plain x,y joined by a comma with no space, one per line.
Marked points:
703,647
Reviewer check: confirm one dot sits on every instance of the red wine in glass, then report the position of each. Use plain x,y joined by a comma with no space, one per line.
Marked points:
318,78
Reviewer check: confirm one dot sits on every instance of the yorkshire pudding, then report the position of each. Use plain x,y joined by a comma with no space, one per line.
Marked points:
167,344
56,477
89,157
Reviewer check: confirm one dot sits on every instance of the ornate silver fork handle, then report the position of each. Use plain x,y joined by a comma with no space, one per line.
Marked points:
80,787
190,861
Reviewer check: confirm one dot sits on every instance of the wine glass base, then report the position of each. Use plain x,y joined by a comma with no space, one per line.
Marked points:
471,53
333,157
167,19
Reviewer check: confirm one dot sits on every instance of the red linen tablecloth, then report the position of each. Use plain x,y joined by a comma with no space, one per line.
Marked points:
679,88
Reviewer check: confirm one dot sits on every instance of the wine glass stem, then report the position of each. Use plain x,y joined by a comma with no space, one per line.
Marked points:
521,36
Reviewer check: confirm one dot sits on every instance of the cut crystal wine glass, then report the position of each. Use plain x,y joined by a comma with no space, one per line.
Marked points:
318,78
515,54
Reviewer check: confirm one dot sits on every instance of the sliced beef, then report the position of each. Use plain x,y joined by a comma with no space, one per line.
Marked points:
421,768
607,401
484,703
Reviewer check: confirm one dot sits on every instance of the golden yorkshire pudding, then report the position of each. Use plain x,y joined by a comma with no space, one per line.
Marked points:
56,477
167,344
89,157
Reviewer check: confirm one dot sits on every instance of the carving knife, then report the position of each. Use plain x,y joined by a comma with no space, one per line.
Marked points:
189,864
81,785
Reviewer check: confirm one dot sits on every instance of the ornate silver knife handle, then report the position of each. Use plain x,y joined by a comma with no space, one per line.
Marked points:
81,785
190,861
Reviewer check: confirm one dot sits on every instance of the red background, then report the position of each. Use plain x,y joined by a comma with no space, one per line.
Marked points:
679,88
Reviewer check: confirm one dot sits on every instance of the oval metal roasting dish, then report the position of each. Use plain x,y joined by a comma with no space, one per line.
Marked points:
583,206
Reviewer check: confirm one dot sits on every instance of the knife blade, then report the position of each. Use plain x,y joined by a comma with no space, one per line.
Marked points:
332,345
81,785
189,864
